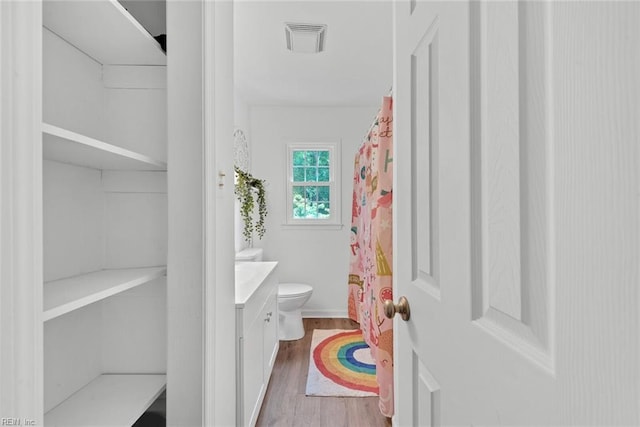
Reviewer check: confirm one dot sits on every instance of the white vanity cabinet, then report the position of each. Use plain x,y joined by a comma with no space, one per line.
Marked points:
257,335
104,144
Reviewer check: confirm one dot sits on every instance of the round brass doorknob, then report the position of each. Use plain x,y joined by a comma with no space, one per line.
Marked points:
402,308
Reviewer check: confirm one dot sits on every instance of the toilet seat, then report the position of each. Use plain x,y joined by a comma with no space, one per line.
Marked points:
293,290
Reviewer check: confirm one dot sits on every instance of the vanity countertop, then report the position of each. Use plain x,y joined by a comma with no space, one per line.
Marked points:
249,277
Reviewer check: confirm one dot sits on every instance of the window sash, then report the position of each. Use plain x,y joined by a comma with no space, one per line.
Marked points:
316,201
298,169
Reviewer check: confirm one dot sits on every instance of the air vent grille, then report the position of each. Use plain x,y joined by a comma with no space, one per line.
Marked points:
305,38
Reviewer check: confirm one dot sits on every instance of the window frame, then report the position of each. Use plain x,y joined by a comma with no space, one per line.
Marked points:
333,184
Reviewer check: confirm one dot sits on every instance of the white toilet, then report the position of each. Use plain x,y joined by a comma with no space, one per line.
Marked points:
291,298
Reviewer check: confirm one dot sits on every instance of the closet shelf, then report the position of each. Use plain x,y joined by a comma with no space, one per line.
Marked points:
65,146
109,400
65,295
104,30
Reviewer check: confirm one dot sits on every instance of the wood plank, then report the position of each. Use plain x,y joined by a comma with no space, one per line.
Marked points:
285,403
109,400
65,146
104,30
65,295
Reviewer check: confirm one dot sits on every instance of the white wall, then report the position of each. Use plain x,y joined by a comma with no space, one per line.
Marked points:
241,115
72,88
185,276
317,256
21,326
200,383
241,120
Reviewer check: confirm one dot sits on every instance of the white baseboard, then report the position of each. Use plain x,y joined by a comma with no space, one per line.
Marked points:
334,314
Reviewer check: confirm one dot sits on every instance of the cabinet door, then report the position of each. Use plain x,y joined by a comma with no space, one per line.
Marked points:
270,335
253,370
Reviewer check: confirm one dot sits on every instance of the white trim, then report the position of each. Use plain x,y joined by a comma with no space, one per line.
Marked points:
334,183
311,227
219,395
21,267
186,377
209,337
325,314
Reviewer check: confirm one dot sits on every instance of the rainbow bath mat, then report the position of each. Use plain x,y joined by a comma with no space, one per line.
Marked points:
340,364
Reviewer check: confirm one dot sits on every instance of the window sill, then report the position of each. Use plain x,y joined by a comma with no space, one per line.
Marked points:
311,226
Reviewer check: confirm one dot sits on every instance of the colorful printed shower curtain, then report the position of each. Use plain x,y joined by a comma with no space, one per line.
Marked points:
370,276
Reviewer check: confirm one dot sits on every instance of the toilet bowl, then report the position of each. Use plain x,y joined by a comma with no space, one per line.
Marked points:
291,298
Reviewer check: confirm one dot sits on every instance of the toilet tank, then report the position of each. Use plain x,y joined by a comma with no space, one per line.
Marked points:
249,255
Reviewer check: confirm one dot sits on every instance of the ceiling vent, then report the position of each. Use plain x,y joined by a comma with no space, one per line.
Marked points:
305,38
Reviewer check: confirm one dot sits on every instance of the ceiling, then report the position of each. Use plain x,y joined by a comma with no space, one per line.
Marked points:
355,68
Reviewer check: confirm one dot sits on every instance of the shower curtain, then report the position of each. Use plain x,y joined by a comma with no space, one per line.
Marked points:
370,276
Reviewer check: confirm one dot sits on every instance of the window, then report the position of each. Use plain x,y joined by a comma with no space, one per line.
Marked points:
312,184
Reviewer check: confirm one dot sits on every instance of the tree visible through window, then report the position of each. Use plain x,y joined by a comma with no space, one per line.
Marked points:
312,182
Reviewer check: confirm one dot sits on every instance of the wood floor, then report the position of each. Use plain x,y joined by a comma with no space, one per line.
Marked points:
285,403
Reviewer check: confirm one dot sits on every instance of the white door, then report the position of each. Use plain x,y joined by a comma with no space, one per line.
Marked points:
516,213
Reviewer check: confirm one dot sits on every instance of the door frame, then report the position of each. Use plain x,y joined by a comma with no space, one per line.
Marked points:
21,269
219,251
200,282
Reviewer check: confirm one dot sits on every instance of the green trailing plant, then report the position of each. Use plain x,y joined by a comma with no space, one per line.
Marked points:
246,185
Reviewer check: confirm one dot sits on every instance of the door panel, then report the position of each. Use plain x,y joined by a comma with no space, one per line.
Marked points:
516,159
428,86
426,392
424,156
511,193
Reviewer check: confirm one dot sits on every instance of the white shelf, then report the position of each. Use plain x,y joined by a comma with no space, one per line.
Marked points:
109,400
65,146
104,30
65,295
